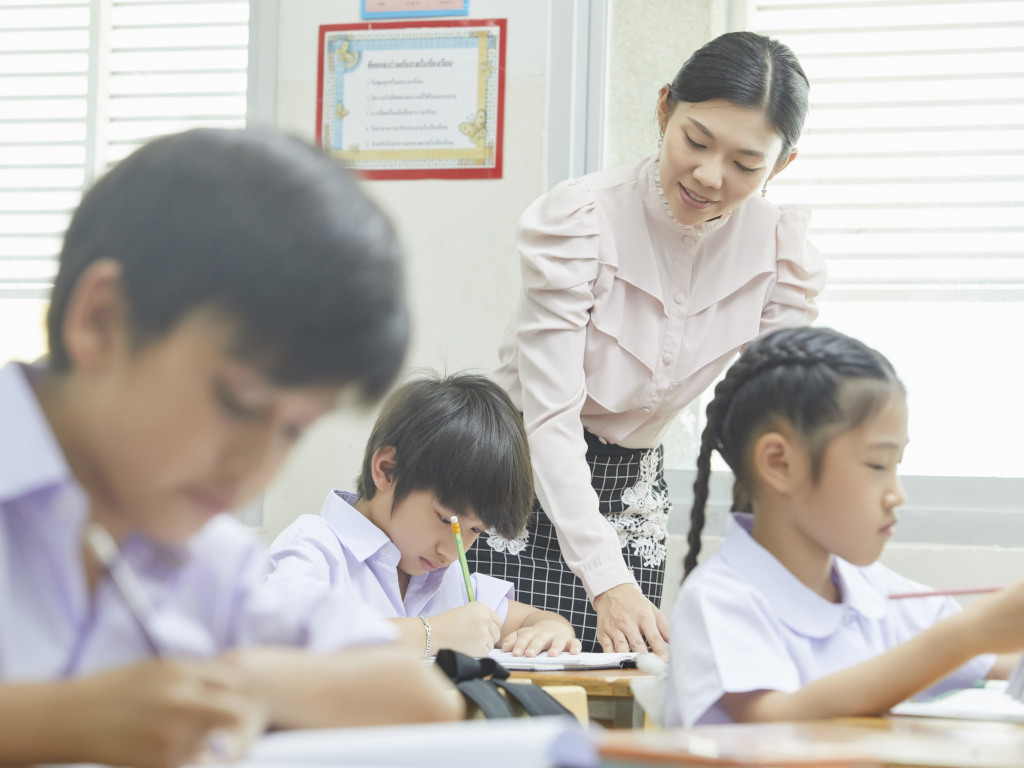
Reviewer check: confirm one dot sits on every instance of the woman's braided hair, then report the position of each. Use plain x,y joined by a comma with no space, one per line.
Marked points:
801,377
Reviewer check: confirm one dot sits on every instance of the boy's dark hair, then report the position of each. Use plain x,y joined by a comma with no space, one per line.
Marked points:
263,228
749,70
460,438
816,381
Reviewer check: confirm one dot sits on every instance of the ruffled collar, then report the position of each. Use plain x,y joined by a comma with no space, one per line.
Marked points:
657,202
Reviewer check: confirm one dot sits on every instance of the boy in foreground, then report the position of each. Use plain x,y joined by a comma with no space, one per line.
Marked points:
217,291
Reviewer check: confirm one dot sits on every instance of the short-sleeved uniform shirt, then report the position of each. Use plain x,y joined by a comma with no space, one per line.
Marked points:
339,551
743,622
203,596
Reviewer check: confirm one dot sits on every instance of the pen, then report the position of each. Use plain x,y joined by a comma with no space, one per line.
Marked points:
102,544
462,557
942,592
107,552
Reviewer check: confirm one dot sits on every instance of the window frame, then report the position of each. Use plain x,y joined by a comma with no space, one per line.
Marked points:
940,509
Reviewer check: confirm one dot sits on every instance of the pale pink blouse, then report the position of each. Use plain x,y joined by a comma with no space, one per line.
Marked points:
625,317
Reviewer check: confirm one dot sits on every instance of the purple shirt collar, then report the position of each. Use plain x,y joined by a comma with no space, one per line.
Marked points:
34,462
799,607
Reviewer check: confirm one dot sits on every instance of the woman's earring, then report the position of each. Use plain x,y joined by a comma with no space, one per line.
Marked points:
764,189
661,138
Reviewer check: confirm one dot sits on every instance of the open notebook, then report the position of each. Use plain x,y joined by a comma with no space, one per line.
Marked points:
991,702
565,661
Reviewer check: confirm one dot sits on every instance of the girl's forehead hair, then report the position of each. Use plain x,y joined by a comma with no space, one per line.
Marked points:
857,401
861,397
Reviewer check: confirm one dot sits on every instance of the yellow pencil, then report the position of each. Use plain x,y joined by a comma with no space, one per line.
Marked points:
462,557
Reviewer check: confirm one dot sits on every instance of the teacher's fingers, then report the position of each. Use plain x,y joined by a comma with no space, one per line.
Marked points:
656,630
636,642
613,642
664,626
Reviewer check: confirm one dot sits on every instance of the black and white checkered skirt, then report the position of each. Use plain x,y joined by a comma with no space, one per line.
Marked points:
633,499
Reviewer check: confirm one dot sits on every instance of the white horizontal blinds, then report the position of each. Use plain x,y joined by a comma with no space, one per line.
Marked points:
174,65
82,84
44,133
913,154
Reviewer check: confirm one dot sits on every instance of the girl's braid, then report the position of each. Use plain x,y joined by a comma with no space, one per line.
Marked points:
771,352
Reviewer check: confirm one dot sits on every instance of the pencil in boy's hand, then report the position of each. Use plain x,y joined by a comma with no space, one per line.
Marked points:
462,558
943,592
108,553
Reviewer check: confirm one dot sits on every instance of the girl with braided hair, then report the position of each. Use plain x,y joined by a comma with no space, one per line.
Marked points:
640,284
791,619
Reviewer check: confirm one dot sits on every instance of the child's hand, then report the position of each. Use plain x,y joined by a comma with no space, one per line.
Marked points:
551,636
996,622
160,714
472,629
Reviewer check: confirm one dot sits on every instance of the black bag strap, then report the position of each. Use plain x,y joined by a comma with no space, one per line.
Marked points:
468,676
480,679
486,697
532,698
459,666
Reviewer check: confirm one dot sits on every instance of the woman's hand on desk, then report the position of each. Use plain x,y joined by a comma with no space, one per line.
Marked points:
472,629
157,714
625,618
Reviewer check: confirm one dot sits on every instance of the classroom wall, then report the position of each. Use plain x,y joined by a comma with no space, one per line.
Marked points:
639,64
458,235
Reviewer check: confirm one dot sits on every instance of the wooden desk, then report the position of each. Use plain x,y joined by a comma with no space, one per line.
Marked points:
874,742
609,697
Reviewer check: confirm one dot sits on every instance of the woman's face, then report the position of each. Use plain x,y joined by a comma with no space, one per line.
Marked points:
714,156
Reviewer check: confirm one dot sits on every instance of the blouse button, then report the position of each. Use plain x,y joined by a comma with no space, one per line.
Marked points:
678,298
666,358
645,409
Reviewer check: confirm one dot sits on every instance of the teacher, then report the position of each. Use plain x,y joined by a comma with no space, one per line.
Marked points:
639,284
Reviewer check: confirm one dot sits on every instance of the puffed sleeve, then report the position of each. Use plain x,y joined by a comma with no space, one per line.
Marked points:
723,641
560,249
801,273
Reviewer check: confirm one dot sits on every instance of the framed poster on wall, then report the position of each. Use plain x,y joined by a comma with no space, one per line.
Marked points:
414,99
394,9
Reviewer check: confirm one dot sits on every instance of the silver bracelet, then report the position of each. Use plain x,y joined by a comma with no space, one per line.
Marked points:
426,627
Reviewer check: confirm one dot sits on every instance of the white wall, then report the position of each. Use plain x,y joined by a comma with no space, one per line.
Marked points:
650,40
458,235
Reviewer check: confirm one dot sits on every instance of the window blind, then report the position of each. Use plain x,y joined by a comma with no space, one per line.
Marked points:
82,84
912,158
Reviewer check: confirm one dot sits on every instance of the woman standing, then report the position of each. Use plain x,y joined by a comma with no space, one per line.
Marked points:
639,285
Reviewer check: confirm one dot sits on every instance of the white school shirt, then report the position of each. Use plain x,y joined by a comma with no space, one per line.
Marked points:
204,595
743,622
625,317
342,552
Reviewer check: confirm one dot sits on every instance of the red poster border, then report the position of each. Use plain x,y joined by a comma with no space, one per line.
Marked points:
428,173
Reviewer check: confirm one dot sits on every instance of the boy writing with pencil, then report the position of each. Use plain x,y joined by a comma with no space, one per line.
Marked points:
441,448
216,291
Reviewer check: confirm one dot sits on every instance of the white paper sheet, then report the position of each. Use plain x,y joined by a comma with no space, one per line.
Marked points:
565,661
